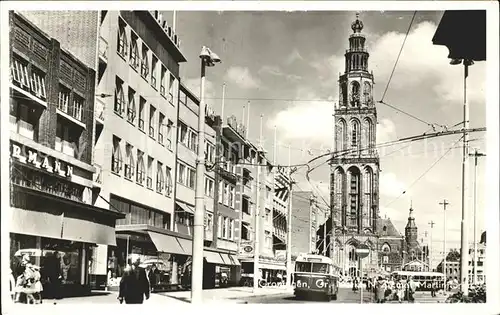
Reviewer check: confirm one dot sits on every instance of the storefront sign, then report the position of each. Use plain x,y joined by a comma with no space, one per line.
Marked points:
40,160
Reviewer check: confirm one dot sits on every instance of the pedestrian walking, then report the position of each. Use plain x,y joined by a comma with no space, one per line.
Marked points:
412,287
134,285
390,289
433,287
400,290
380,288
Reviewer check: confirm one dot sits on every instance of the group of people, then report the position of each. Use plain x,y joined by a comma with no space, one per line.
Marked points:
27,286
393,289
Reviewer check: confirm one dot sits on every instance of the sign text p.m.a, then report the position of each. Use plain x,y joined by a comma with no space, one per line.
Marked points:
40,160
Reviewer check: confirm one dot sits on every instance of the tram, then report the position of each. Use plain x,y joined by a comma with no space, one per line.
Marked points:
315,275
425,279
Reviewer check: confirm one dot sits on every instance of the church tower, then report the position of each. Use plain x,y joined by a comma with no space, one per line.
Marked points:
411,235
355,164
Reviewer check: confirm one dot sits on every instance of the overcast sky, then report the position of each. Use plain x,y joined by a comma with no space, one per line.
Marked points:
288,65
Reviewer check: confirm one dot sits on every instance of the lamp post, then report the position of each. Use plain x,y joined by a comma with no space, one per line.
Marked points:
475,155
208,59
464,256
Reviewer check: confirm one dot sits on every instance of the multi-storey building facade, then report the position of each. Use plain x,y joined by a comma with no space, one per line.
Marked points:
221,208
54,219
354,174
304,226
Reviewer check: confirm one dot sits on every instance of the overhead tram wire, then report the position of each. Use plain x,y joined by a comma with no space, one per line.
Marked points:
399,55
425,173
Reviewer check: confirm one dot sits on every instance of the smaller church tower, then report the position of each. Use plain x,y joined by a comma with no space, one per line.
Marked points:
411,235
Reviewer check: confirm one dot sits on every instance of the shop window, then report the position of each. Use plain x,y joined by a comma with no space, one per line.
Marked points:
63,258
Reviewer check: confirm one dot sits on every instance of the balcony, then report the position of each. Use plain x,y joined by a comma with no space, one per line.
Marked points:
103,51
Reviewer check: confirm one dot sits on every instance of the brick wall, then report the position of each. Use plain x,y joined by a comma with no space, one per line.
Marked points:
75,30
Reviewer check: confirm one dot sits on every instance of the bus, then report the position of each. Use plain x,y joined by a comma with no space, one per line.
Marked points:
315,275
424,279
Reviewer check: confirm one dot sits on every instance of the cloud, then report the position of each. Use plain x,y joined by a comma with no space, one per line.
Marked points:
386,130
390,185
276,71
242,77
293,57
194,86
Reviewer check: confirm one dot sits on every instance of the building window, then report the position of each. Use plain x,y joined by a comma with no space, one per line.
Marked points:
66,139
168,181
38,83
221,192
161,128
64,94
122,38
163,82
354,196
140,167
119,97
131,105
149,180
267,240
219,226
226,194
192,140
210,222
24,119
142,104
19,71
145,62
230,235
77,107
192,178
209,187
245,231
245,205
231,196
182,179
170,125
209,152
171,89
385,259
116,158
354,134
160,180
154,62
129,162
134,51
183,132
152,111
225,222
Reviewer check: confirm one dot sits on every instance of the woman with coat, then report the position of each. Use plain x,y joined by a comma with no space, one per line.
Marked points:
380,287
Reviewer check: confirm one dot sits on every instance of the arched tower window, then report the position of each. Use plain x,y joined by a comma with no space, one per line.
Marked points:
354,93
339,185
355,134
368,135
367,196
341,135
343,94
367,94
354,197
386,248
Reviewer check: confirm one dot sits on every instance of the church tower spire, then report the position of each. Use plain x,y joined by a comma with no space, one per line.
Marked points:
411,231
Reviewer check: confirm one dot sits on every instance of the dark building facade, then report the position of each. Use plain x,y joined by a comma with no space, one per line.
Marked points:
51,127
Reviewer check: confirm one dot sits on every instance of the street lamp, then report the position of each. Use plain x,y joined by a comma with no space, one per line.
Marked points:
464,257
208,59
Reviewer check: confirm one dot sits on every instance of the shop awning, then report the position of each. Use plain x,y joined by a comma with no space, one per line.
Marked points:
214,258
166,243
187,246
30,222
81,230
230,260
271,266
185,207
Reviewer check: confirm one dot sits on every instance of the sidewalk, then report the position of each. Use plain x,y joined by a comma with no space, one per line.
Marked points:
234,295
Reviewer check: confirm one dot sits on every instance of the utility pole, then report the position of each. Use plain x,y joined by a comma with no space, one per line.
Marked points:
475,155
430,245
311,201
444,204
256,250
289,269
